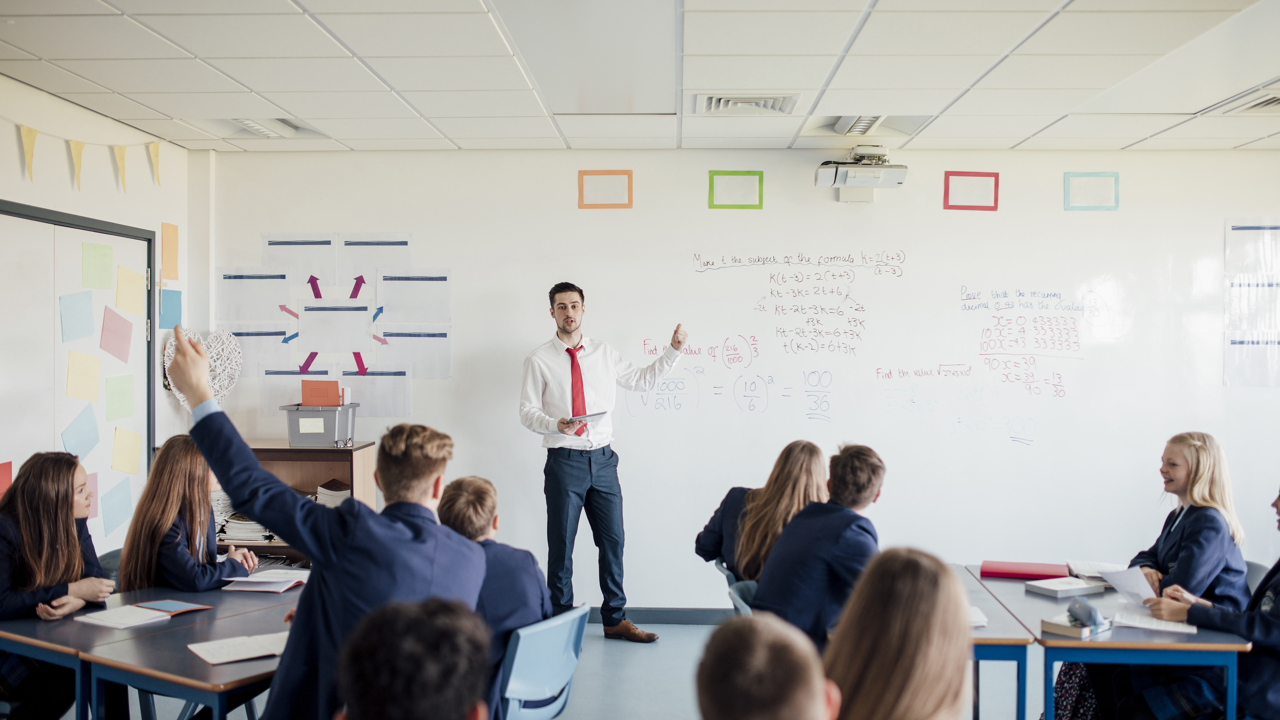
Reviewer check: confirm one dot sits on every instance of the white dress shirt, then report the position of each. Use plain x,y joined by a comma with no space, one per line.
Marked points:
547,394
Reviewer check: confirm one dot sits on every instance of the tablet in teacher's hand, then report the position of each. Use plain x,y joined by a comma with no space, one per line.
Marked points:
588,418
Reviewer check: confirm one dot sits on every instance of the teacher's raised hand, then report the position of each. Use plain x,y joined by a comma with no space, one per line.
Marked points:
679,337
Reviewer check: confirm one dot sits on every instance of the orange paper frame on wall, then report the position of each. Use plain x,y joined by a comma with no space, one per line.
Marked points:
583,205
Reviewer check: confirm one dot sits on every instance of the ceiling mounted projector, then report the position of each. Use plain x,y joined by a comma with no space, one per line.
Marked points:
860,173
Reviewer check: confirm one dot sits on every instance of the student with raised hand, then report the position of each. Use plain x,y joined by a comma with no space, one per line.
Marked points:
172,541
761,668
360,559
823,550
48,569
902,648
514,594
747,523
425,661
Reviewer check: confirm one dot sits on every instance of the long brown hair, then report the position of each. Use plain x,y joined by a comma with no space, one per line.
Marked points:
796,481
40,504
179,483
902,648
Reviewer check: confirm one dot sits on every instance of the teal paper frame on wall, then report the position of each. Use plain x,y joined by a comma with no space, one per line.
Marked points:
1066,191
711,189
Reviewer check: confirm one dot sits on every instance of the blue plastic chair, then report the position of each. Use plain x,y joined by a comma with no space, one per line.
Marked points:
741,594
537,671
1254,574
728,574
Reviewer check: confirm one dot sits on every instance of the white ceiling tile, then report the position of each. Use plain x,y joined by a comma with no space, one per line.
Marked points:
426,34
774,5
389,129
976,126
209,105
1246,128
1055,143
512,144
896,72
943,33
980,101
286,145
1163,143
399,144
739,127
1271,143
207,145
885,102
206,7
342,105
507,127
1064,71
1111,126
133,76
1119,33
832,141
476,103
56,7
745,143
46,77
1157,5
300,74
967,5
246,36
9,52
86,36
767,33
475,73
170,130
395,6
112,105
742,72
617,126
949,143
622,143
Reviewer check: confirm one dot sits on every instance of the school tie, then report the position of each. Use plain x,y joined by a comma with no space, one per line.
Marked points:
579,397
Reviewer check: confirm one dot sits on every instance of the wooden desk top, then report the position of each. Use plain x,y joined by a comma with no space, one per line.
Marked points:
1002,627
71,637
1030,608
166,656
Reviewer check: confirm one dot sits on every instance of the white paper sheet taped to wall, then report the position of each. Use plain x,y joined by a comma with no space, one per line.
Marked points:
252,294
304,254
361,254
342,326
1251,298
414,296
262,344
385,392
426,349
1251,359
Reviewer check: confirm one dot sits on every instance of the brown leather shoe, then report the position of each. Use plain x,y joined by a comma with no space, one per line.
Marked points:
626,631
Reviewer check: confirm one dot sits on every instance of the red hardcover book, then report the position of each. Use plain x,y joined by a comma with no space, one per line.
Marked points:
1023,571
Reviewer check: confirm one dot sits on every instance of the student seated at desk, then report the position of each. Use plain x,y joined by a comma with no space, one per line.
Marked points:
415,662
821,553
172,541
902,648
744,528
48,569
360,559
514,594
761,668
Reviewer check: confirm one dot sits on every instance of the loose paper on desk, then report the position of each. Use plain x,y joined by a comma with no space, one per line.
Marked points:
1083,569
277,575
245,647
1139,616
1131,584
977,618
124,617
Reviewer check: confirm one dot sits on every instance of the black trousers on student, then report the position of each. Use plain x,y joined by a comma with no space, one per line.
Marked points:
575,480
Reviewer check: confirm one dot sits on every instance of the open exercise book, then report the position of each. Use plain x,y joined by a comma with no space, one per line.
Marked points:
129,616
245,647
275,580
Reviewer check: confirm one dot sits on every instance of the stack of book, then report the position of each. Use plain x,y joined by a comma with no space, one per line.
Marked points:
332,493
221,504
239,528
1067,626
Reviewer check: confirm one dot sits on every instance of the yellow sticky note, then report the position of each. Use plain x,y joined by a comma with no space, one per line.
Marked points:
169,251
126,454
131,291
82,376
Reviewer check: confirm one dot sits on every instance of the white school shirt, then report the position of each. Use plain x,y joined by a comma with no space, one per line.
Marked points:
547,393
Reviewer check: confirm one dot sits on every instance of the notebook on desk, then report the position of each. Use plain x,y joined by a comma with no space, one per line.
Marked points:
1022,571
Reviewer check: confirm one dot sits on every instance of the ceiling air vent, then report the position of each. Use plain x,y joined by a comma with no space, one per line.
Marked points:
856,124
267,128
745,104
1269,105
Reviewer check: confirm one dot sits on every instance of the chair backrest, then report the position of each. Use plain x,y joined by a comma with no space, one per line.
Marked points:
538,668
110,562
728,574
1256,571
741,594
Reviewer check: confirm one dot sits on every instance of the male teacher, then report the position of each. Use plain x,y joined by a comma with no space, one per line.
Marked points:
571,376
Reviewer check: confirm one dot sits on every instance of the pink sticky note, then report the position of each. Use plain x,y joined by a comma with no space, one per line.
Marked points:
116,334
6,476
93,495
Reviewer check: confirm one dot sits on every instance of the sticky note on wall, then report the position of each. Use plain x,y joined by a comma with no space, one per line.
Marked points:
126,452
169,251
170,309
76,313
95,266
116,335
83,372
6,476
131,291
119,397
117,506
81,436
92,485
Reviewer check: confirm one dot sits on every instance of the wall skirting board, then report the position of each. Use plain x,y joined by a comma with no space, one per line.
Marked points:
671,616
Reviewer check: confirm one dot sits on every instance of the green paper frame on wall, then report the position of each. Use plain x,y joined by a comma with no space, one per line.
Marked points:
711,189
1066,190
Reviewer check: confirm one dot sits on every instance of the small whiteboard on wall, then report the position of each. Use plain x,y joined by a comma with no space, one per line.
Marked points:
604,189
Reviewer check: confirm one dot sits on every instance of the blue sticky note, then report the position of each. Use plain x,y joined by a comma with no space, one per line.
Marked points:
81,435
76,310
170,309
117,506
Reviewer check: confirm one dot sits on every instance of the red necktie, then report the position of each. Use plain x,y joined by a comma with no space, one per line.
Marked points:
579,397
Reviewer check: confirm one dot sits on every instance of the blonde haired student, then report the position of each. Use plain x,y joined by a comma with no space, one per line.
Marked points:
744,528
171,541
901,650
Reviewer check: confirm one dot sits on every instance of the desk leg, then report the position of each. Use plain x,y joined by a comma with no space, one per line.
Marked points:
977,665
1022,687
1048,684
98,697
82,690
219,707
1231,686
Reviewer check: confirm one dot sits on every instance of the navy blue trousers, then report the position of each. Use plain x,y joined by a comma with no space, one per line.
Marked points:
576,480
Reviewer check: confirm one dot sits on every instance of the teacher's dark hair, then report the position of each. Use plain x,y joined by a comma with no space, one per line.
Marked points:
564,287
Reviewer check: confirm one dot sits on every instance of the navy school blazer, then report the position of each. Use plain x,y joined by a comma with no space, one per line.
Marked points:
719,539
177,569
17,603
1199,555
814,565
360,560
1259,672
514,595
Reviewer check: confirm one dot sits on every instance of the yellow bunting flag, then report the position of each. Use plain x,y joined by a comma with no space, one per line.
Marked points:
120,165
29,146
154,150
77,152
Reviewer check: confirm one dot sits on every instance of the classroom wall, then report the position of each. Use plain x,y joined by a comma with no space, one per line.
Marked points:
508,225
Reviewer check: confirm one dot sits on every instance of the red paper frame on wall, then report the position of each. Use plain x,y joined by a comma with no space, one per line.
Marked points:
946,191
